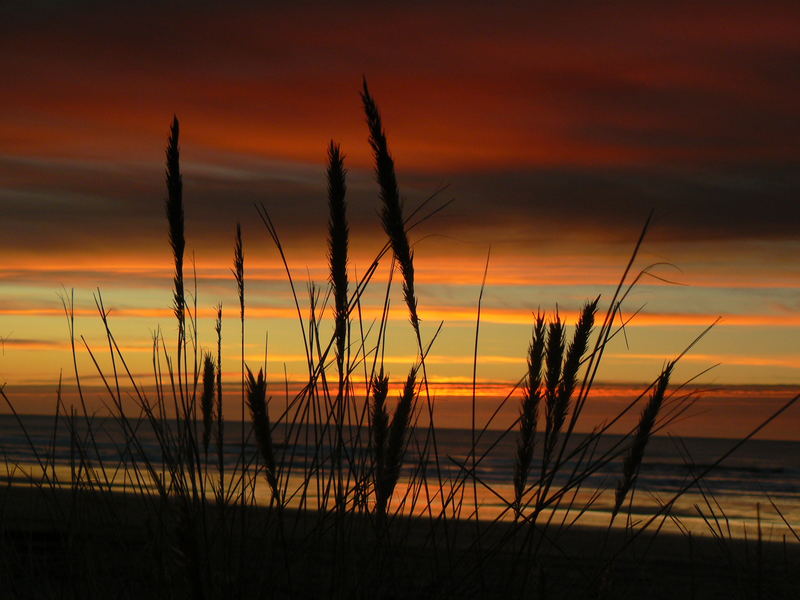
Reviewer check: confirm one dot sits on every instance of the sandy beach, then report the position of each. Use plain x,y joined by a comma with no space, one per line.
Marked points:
71,544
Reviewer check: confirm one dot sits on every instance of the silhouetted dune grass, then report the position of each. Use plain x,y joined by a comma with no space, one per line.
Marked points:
360,502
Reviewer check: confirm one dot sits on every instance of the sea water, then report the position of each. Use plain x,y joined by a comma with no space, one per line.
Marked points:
679,486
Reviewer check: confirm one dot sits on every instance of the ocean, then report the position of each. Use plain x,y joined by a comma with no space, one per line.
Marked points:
734,499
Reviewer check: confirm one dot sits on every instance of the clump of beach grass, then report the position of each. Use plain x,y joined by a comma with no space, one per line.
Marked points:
395,227
348,440
389,441
562,379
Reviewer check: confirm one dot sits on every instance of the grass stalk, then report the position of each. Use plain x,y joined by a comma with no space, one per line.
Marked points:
207,399
647,420
529,411
392,206
395,443
337,258
256,390
220,430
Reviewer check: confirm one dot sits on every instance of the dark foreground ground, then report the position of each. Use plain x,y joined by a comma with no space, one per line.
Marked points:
72,544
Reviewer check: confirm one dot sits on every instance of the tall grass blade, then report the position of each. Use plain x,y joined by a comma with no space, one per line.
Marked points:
337,246
529,411
392,212
175,217
256,388
554,353
572,362
220,432
207,398
238,274
380,431
633,460
396,444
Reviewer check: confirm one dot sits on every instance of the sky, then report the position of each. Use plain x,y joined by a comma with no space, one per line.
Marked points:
554,130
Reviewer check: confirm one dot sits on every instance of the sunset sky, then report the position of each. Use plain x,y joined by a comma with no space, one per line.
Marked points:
555,131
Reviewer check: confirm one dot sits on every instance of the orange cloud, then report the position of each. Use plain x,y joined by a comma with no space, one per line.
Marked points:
434,314
727,359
